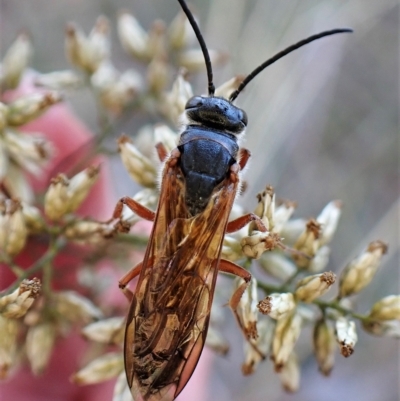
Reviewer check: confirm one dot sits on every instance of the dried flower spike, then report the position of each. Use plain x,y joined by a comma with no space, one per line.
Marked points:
361,270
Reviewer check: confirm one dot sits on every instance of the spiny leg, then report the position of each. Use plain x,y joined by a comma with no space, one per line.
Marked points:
127,278
135,206
240,222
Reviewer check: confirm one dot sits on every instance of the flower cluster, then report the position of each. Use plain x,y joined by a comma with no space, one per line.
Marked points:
294,252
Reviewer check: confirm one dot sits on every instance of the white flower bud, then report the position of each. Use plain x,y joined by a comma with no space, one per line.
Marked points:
101,369
286,334
324,346
346,336
13,231
31,152
329,218
65,196
290,374
15,61
89,232
277,305
4,161
139,167
265,208
122,391
307,244
88,53
33,218
75,307
387,308
157,40
216,341
56,198
361,270
39,345
107,331
157,75
165,135
277,265
259,242
193,60
231,249
180,33
28,107
247,308
8,345
292,230
320,260
16,304
226,89
134,39
17,184
384,328
3,116
282,214
59,80
174,102
312,287
263,342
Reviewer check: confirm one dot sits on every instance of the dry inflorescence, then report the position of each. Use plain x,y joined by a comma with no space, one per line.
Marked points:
298,265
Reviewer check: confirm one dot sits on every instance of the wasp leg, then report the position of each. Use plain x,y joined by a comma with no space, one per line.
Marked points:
229,267
125,280
237,224
135,206
244,156
162,151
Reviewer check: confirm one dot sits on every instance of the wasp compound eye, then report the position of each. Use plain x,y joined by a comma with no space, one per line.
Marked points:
194,102
243,118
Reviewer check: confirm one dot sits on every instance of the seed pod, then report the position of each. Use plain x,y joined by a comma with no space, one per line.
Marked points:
134,39
346,336
308,244
361,270
312,287
8,345
324,346
174,101
17,185
387,308
384,328
329,218
103,368
247,308
286,334
29,107
74,307
265,208
139,167
107,331
16,304
157,75
290,374
33,218
13,231
231,249
320,260
89,232
277,265
3,116
263,344
39,345
259,242
180,33
59,80
277,305
15,61
282,214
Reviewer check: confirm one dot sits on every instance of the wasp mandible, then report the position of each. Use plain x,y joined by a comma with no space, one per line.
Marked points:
170,310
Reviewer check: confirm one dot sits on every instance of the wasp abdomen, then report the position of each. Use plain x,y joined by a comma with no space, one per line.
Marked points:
206,156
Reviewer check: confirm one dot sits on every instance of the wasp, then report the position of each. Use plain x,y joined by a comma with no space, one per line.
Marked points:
170,310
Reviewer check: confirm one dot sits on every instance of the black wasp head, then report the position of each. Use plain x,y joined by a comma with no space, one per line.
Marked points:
215,112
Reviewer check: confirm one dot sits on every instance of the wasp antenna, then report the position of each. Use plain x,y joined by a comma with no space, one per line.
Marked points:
202,43
281,54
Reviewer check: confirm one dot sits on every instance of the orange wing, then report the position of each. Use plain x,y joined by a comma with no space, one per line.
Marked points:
168,319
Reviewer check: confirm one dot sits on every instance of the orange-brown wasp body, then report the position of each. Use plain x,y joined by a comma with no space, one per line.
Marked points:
170,310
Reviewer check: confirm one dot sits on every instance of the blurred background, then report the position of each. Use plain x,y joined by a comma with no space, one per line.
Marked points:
323,125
